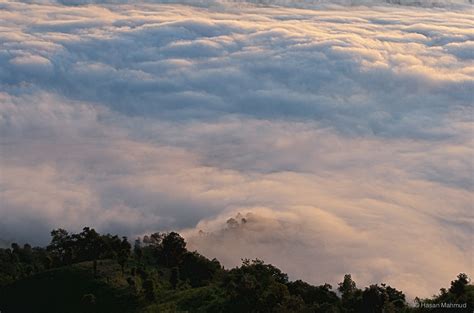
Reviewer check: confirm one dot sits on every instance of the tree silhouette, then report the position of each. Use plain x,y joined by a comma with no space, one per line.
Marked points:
90,245
197,269
61,246
458,286
348,286
253,287
373,299
137,250
173,249
123,253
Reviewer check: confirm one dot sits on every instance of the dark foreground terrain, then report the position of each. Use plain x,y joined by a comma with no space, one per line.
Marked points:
93,273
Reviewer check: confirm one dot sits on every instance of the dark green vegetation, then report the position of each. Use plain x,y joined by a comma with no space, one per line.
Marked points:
93,273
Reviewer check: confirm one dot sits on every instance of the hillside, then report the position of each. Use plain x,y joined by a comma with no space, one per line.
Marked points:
89,272
65,289
61,290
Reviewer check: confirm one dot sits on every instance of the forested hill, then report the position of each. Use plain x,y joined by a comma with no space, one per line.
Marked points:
92,273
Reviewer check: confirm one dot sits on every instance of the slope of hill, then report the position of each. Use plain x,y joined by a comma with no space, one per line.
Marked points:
93,273
65,289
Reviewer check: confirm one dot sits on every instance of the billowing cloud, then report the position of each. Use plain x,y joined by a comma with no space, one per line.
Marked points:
343,137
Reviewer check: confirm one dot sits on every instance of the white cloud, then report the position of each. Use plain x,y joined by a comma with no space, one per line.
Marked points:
346,135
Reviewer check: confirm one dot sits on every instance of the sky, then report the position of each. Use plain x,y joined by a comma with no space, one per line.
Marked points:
322,137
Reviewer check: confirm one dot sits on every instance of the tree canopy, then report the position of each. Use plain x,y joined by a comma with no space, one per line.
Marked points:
92,272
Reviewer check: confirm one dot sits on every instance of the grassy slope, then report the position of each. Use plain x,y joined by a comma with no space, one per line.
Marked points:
60,291
197,300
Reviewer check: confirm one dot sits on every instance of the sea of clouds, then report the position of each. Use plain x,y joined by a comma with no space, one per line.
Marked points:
338,137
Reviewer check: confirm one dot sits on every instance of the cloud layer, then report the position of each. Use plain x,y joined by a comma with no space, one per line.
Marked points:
342,135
